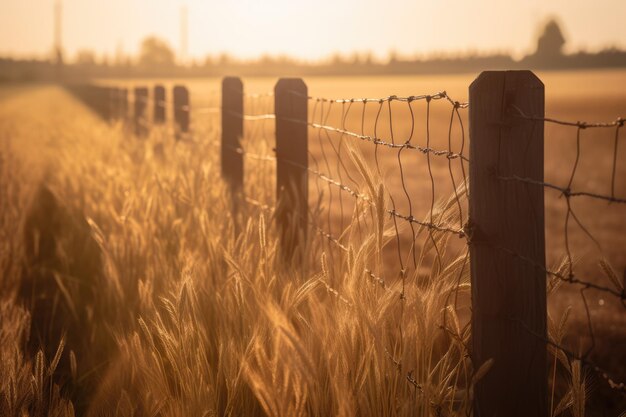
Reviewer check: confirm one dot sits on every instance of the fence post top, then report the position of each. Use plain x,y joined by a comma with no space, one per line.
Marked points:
231,85
231,79
527,77
290,83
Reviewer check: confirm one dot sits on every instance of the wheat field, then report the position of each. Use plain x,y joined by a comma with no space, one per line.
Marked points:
125,290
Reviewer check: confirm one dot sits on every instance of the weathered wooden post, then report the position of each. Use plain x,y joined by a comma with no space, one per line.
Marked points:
124,104
291,102
103,93
141,103
232,132
508,291
110,103
181,110
159,104
115,103
100,100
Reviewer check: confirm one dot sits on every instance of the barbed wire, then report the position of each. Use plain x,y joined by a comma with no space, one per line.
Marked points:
569,276
333,140
407,99
619,122
207,110
265,207
245,95
258,95
376,141
571,279
326,132
252,117
409,218
611,381
251,155
567,192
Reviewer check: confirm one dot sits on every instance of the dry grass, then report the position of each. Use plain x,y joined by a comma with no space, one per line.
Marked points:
185,320
171,315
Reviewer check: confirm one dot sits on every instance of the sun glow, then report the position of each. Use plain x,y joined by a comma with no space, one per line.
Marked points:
310,30
270,11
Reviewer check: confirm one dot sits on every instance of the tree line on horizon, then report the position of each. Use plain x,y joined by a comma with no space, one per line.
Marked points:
157,58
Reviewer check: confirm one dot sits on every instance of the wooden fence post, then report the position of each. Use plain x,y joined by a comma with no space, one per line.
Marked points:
159,104
102,102
232,132
124,104
115,103
141,103
508,291
291,102
181,109
110,103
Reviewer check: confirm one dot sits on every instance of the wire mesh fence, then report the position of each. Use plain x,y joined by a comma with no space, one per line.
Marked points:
387,179
595,273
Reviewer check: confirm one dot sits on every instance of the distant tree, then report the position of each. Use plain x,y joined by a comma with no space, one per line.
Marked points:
120,56
209,61
550,43
266,59
225,59
58,57
337,59
155,52
393,57
86,57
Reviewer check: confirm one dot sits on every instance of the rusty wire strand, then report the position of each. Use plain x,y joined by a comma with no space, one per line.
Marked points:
442,95
565,191
319,121
621,386
619,122
376,141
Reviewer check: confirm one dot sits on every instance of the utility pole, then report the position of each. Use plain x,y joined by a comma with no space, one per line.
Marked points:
58,22
183,35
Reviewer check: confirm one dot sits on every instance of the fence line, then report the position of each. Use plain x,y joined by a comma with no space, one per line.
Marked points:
514,124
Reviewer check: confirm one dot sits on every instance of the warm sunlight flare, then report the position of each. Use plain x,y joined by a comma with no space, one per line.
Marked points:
343,208
307,30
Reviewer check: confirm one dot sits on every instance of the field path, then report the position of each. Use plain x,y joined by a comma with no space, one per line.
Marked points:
39,120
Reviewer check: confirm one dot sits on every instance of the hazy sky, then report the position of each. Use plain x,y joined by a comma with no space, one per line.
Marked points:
309,29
